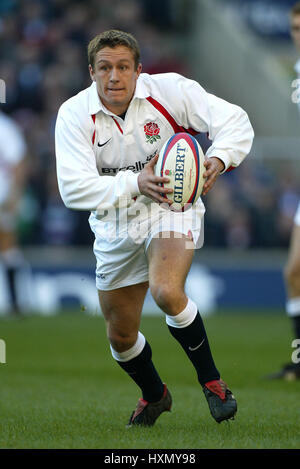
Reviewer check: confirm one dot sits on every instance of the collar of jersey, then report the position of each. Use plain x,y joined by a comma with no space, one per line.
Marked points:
297,66
95,104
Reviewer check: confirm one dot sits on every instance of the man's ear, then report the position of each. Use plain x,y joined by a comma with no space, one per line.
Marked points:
91,73
139,69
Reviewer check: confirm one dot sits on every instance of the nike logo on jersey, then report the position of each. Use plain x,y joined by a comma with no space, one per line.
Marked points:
102,144
192,349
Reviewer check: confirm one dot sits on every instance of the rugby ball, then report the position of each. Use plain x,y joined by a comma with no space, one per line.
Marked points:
181,159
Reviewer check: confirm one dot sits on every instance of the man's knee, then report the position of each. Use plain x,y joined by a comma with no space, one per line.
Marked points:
121,341
168,297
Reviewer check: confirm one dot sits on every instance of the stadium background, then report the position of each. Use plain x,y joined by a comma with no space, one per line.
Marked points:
59,385
248,60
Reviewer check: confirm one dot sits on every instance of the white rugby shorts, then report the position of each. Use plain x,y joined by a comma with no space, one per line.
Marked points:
297,216
120,250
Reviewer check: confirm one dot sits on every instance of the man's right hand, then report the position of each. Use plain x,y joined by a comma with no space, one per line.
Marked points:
148,183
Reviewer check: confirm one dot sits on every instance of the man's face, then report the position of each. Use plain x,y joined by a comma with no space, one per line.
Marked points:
115,74
295,30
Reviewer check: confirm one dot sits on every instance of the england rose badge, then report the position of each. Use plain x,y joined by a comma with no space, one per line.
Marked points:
152,132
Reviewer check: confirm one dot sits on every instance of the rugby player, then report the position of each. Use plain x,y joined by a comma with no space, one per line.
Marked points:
291,371
13,177
107,142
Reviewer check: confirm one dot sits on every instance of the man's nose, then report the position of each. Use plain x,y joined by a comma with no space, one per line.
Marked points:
114,75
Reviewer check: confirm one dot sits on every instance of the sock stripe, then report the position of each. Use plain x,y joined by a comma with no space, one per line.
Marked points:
293,307
185,318
142,371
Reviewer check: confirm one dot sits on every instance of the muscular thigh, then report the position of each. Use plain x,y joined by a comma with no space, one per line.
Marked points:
170,258
292,267
293,262
169,263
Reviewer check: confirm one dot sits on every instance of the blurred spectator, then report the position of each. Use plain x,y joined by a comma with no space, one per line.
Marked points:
250,208
12,176
58,224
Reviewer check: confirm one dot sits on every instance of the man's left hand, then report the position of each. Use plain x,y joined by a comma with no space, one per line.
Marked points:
214,166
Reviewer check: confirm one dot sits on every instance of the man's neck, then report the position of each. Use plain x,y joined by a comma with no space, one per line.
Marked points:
122,115
118,110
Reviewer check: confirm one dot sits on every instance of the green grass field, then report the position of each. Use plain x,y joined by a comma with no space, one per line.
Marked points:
60,387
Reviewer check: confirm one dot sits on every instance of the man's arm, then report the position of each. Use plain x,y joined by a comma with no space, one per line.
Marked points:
214,167
14,155
80,185
149,183
226,124
19,176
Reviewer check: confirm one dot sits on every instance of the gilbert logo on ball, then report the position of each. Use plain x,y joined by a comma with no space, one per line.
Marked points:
181,159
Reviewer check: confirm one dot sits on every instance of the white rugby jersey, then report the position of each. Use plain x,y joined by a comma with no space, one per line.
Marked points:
99,155
12,152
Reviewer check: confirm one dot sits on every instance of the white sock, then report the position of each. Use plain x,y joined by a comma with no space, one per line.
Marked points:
133,352
293,307
185,318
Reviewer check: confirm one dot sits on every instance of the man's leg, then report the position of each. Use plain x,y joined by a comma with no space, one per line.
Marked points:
12,260
169,263
122,312
291,371
292,281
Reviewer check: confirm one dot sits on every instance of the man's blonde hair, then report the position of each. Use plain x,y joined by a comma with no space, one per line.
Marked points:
295,10
113,38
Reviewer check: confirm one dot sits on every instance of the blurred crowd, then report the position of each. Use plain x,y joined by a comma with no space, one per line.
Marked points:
252,206
43,62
